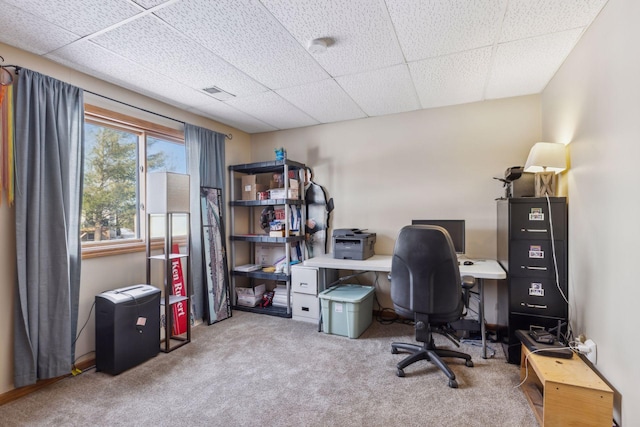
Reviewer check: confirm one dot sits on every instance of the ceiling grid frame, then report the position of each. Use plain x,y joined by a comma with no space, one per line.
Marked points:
384,57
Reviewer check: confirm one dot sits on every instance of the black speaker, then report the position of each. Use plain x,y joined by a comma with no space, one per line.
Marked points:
127,327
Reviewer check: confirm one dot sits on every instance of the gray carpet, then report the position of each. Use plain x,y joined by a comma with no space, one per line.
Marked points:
261,370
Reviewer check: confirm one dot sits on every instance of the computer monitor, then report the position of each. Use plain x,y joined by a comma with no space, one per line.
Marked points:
455,227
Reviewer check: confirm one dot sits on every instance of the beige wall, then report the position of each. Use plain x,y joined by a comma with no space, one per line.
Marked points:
98,274
383,172
593,102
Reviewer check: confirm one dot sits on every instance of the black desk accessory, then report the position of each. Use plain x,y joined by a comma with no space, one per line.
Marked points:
555,349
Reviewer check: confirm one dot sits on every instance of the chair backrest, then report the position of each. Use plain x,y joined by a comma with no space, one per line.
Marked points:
425,277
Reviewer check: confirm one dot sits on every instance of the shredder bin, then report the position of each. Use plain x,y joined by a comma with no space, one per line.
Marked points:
127,327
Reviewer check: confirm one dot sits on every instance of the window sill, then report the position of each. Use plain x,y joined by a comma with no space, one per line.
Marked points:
109,249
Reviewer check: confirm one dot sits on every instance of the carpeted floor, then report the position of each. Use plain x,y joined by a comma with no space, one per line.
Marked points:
260,370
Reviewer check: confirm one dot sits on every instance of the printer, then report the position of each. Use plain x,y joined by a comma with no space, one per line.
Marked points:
353,243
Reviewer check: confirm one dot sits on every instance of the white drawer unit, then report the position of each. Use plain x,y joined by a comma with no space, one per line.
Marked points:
304,293
306,307
304,280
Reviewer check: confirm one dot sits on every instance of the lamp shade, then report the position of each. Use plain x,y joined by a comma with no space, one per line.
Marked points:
546,157
167,192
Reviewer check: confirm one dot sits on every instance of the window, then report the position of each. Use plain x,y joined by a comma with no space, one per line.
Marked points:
118,149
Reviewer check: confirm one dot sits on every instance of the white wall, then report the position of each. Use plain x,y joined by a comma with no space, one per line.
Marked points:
383,172
98,274
594,103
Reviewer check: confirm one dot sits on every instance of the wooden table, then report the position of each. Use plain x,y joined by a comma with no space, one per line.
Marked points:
565,392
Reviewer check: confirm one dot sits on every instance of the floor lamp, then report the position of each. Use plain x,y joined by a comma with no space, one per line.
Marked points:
546,159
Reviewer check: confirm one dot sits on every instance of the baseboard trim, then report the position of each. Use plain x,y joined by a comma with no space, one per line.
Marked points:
17,393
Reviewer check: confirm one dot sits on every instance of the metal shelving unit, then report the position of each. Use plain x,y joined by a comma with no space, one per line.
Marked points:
171,341
252,238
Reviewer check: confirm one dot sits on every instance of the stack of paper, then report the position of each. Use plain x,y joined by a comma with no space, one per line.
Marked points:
248,267
280,296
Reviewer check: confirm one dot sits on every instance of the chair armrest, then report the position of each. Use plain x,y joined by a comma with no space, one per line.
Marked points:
468,282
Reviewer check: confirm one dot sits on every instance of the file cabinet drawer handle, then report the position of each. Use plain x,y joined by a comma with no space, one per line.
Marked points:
528,267
533,305
534,230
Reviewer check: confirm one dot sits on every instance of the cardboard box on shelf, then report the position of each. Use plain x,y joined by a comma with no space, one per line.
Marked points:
269,254
279,193
251,187
250,297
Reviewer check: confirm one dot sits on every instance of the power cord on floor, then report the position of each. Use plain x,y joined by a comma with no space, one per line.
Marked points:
526,361
477,343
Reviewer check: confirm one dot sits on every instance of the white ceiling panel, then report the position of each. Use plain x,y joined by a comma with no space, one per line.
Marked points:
379,92
148,4
362,34
525,66
96,14
272,109
452,79
428,28
224,113
150,41
529,18
325,101
387,56
91,58
244,34
27,31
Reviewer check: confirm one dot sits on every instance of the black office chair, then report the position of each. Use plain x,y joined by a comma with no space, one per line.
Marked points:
426,286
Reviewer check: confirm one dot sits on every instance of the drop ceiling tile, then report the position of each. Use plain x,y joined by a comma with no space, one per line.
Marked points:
525,66
223,113
428,28
29,32
244,34
92,59
148,4
272,109
452,79
157,46
325,101
95,14
379,92
529,18
361,30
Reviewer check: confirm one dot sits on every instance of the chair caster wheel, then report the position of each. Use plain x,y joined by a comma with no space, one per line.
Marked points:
400,373
453,384
394,350
469,363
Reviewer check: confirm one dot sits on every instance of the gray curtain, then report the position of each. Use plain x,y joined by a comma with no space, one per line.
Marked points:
49,117
205,165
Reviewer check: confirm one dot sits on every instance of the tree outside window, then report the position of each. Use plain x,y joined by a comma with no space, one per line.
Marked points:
112,193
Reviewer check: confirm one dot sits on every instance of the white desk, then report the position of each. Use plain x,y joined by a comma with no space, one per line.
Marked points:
481,269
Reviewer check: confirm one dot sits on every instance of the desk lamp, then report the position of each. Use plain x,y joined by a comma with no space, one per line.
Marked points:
546,159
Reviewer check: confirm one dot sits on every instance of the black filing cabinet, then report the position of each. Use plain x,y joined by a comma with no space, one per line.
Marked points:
532,248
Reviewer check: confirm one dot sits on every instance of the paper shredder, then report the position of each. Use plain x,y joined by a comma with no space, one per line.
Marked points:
127,327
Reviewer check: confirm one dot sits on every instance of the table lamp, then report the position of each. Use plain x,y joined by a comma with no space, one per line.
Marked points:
546,159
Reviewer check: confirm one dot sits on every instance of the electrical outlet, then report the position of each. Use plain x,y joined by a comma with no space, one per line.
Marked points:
589,349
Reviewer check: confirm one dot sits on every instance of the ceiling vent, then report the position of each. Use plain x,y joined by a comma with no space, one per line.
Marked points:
218,93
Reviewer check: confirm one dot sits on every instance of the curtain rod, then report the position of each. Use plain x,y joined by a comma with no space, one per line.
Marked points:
228,136
17,68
